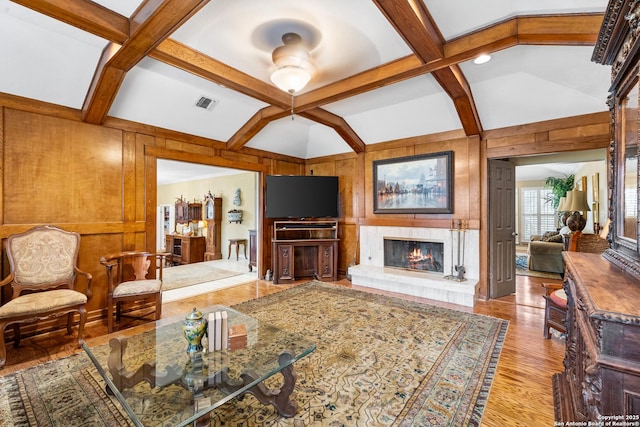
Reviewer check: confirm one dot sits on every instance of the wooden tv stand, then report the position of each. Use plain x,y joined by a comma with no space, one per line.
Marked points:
305,249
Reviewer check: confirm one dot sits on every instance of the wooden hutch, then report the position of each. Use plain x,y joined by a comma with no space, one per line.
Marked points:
601,381
186,249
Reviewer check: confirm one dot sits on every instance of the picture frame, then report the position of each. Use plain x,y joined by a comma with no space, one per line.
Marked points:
414,184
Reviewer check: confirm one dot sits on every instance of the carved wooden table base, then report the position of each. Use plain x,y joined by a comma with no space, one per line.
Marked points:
194,379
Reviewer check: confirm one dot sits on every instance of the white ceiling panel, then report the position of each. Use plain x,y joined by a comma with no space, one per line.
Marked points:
284,136
156,94
409,108
526,84
324,141
45,59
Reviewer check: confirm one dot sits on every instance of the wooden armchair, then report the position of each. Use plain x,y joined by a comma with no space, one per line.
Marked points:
127,280
42,276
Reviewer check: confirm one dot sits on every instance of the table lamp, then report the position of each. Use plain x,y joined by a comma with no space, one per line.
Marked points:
576,203
562,211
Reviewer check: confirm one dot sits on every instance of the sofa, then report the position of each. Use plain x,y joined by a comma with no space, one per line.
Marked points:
545,253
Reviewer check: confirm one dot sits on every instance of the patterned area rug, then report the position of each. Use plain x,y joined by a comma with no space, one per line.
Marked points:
522,269
192,274
379,361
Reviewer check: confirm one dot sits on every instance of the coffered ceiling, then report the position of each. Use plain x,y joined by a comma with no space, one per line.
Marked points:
384,69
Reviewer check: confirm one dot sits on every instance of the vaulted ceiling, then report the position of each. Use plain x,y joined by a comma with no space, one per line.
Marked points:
384,69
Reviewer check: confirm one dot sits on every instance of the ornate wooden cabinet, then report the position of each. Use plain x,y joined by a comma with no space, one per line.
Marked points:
602,361
601,381
305,249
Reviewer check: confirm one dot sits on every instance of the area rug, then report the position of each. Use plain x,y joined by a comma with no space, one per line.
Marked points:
192,274
379,361
522,269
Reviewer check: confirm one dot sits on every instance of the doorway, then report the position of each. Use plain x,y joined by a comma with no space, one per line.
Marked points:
532,171
237,188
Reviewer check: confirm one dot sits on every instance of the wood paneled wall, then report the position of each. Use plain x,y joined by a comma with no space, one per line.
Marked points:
101,180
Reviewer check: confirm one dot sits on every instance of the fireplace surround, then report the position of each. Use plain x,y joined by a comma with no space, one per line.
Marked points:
372,272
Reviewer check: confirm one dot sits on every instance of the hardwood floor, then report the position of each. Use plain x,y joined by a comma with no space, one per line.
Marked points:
521,392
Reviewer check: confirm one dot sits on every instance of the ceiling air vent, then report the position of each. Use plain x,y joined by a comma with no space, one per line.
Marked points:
206,103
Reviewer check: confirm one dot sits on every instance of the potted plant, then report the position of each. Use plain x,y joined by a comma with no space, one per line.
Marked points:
559,188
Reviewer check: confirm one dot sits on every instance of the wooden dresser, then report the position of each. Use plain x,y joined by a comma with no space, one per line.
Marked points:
602,360
185,249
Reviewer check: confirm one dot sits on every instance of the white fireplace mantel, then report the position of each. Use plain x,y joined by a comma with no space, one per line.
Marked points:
372,273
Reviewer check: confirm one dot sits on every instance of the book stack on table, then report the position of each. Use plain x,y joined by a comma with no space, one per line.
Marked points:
218,333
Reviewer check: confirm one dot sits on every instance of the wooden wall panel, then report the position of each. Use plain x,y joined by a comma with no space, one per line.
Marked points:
281,167
100,180
60,171
92,247
347,171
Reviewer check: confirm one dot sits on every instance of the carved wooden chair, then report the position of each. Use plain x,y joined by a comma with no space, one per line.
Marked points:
42,276
555,310
128,283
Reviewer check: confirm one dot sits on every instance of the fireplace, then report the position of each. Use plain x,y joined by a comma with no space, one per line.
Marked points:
373,272
416,255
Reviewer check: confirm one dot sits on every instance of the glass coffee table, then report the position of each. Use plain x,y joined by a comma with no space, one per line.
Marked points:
159,383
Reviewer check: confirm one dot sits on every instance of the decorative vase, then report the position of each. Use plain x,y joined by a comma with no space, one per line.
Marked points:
194,328
576,222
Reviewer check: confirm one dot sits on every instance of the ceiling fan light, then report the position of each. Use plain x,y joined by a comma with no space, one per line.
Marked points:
290,79
293,64
294,55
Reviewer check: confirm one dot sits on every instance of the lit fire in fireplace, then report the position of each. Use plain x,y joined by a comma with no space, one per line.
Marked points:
416,255
419,261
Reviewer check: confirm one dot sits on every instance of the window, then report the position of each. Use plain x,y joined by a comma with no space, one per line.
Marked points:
538,215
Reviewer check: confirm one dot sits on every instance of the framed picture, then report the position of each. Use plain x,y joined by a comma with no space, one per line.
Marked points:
415,184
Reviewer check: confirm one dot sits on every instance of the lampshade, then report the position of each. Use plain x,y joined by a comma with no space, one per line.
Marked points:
293,64
290,79
561,205
568,201
577,201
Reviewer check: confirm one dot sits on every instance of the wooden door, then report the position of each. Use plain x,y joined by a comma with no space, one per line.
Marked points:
502,230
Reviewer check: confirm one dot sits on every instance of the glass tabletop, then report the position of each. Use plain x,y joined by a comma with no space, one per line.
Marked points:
159,383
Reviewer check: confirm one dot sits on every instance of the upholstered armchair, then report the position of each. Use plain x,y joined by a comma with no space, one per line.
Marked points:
545,254
42,276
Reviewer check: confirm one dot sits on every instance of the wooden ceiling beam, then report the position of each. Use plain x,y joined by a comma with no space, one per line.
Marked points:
254,125
185,58
338,124
415,25
455,84
569,30
413,22
152,22
560,30
83,14
566,30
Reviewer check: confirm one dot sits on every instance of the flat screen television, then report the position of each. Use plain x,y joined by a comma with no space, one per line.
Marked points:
296,196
